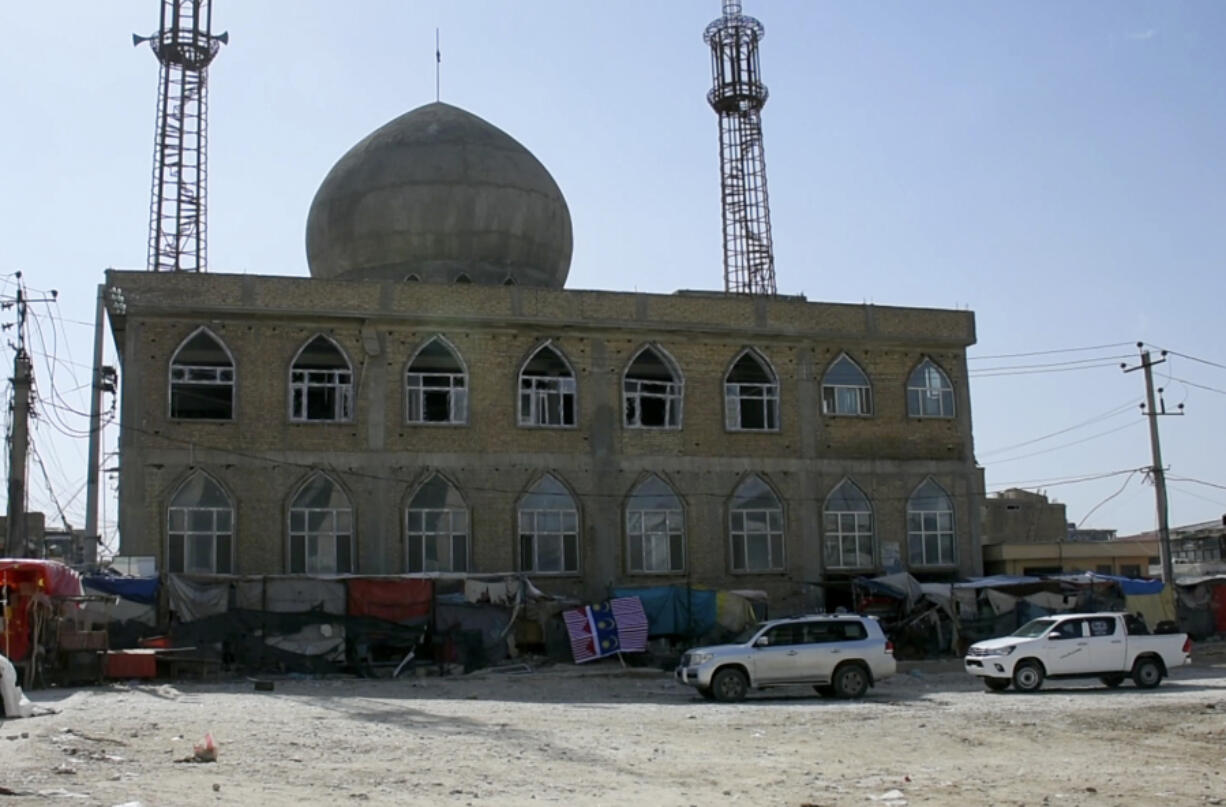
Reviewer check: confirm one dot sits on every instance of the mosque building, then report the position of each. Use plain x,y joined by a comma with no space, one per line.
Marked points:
433,399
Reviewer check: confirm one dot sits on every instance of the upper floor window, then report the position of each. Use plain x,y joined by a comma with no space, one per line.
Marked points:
320,528
321,383
929,393
756,527
930,526
202,379
547,389
845,389
548,529
847,523
655,528
436,385
652,390
437,528
751,395
200,528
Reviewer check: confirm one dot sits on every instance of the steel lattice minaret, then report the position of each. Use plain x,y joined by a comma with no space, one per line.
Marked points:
737,96
185,46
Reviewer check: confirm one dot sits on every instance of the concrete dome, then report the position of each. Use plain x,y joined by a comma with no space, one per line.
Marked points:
440,195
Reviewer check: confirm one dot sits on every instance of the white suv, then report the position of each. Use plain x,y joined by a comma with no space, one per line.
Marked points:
839,654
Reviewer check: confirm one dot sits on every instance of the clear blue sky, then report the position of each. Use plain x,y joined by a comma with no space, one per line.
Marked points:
1057,167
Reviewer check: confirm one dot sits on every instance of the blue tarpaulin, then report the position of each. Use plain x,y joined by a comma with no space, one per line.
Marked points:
1128,585
136,589
675,610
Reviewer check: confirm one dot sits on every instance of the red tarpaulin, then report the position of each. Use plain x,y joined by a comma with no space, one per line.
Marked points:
21,580
1219,607
402,600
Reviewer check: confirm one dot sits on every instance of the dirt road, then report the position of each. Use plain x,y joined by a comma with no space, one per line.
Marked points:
601,736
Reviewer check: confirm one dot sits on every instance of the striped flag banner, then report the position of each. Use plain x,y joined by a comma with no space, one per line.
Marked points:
616,626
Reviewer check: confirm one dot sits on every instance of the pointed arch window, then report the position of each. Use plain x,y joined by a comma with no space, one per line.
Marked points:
756,527
847,523
436,524
547,390
548,529
930,526
320,528
321,383
751,395
655,528
929,392
845,389
653,390
202,379
200,521
436,385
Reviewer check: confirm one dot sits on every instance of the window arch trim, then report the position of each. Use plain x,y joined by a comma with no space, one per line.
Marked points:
660,532
320,390
921,400
342,522
932,535
188,525
670,395
454,524
418,400
547,402
847,400
749,403
208,376
567,533
849,537
760,530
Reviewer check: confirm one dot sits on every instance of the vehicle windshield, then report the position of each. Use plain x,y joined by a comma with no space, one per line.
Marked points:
744,636
1034,628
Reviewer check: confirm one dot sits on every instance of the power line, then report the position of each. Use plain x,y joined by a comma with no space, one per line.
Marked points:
1068,445
1104,501
1186,492
1050,352
1198,386
1057,481
1050,364
991,374
1197,481
1192,358
1110,413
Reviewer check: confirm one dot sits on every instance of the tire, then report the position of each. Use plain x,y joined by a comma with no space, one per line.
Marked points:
729,685
1028,676
996,684
1112,681
1147,673
707,694
825,690
851,681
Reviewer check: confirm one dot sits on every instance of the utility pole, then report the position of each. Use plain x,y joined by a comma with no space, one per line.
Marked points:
1159,473
95,425
17,540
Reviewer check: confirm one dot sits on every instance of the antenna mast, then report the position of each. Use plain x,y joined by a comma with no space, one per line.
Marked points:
737,96
185,46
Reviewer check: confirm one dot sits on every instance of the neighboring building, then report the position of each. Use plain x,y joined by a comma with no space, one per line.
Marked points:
432,399
1016,516
1128,557
1076,533
1196,549
36,527
72,548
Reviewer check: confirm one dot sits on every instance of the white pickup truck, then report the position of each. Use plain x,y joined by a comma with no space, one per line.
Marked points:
1077,646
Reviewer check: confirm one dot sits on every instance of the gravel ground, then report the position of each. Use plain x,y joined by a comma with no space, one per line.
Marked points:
603,736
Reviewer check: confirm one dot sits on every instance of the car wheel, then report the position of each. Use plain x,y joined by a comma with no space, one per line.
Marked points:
729,684
1028,676
996,684
706,693
1112,681
851,681
825,690
1147,673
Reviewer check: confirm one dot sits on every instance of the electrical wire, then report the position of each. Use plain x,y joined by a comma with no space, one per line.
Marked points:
1199,386
1196,481
1187,492
1192,358
992,374
1051,364
1050,352
1104,501
1069,445
1058,481
1110,413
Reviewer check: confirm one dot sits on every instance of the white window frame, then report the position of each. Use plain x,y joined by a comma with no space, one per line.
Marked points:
206,375
189,536
333,536
456,387
860,531
674,525
533,518
862,393
451,535
307,379
536,391
672,393
927,393
765,395
933,526
741,565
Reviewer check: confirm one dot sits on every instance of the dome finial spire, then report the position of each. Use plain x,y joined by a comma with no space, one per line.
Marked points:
438,66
